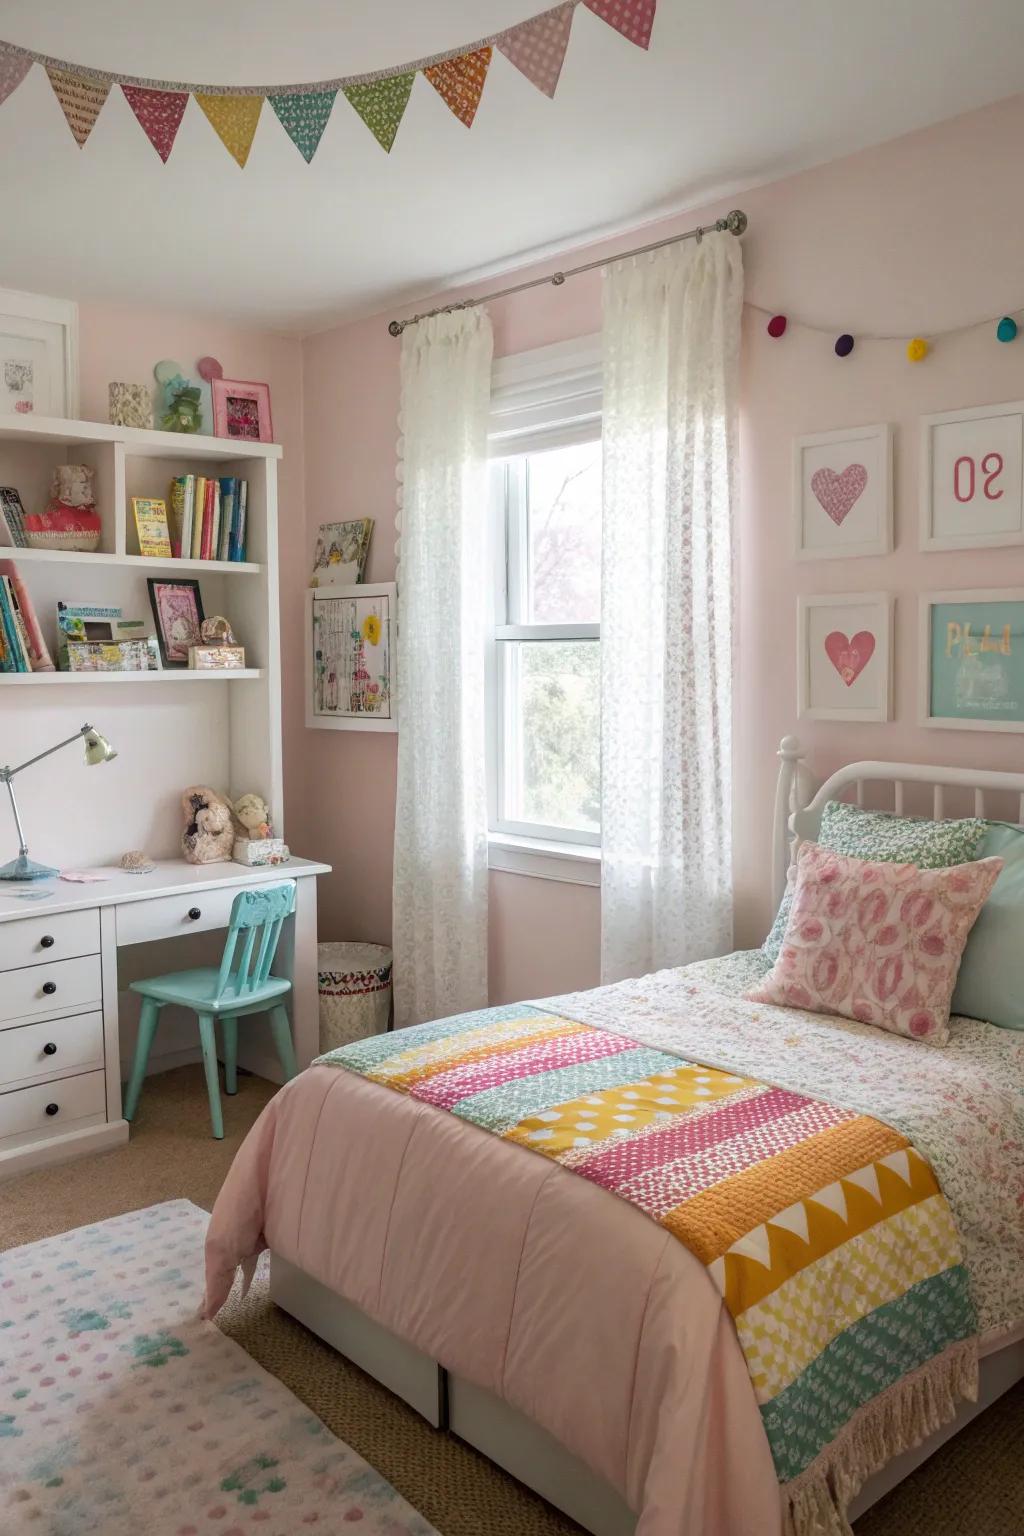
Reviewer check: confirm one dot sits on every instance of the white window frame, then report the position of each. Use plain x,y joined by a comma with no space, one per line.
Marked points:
547,398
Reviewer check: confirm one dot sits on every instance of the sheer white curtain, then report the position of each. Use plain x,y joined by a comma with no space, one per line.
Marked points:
440,879
671,348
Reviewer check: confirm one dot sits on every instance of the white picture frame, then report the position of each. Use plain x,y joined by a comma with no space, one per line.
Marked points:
333,662
842,493
38,355
972,478
828,629
983,598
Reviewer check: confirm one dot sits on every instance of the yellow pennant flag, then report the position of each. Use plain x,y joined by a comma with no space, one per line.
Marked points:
234,119
80,100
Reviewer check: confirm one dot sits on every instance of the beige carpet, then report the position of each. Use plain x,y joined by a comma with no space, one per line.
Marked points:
975,1487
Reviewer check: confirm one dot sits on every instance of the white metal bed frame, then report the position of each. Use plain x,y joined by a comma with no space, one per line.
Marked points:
521,1447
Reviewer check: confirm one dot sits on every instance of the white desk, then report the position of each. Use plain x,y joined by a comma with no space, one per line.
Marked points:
60,1061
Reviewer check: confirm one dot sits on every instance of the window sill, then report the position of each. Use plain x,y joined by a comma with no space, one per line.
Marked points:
576,863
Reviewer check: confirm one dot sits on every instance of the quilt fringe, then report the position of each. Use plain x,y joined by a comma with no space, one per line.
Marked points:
815,1503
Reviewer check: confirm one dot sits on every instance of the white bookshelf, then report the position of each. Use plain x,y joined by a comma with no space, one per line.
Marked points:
217,728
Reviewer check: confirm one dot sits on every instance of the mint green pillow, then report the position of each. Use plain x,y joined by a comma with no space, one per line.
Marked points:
887,839
990,985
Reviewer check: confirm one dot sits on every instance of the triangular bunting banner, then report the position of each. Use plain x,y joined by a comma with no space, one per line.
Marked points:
159,114
13,69
460,82
80,100
381,104
234,120
633,18
537,48
303,116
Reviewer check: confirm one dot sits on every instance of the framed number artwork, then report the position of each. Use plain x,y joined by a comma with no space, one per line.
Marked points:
971,477
972,654
843,663
842,493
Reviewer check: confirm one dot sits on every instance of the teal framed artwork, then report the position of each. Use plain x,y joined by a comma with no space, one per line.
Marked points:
972,650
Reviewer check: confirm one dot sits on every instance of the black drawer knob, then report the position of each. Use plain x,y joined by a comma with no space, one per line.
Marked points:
46,942
49,1049
52,1109
195,914
49,987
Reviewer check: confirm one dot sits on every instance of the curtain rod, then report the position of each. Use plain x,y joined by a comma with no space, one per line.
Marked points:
735,222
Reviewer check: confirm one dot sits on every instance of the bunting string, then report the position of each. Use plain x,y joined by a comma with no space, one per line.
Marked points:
536,47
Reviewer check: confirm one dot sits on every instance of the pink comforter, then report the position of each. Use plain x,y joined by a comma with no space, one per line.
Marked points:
565,1301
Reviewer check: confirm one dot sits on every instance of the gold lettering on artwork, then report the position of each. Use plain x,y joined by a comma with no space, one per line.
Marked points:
959,638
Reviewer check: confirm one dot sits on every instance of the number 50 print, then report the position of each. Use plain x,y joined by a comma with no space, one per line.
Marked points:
971,469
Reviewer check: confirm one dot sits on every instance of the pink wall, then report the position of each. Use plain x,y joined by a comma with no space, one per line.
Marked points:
917,236
118,342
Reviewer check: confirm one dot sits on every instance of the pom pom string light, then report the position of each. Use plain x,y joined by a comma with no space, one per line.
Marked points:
776,325
844,344
917,348
1006,330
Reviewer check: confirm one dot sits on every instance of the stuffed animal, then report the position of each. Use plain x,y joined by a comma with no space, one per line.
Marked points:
209,834
254,814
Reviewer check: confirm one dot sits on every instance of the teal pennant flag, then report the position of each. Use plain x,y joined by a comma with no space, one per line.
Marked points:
303,116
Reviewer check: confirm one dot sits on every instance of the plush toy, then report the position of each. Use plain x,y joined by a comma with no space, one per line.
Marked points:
209,834
254,814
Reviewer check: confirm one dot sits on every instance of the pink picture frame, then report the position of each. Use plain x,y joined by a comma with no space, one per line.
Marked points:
241,410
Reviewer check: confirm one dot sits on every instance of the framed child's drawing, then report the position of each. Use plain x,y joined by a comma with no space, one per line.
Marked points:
844,658
350,642
842,493
971,467
972,660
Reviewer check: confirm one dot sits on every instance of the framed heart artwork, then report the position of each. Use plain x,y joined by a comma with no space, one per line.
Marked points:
844,661
842,493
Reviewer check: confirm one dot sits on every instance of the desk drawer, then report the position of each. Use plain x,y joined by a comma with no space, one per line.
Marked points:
168,917
62,986
73,1102
51,1049
39,939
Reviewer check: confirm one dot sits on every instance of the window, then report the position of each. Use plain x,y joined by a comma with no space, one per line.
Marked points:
544,671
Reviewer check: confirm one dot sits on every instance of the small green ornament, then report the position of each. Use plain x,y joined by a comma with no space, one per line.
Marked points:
1006,330
182,409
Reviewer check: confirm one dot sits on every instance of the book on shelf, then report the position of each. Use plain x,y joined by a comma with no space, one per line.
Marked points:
228,496
38,654
12,518
197,516
181,509
206,517
210,488
237,551
151,526
15,657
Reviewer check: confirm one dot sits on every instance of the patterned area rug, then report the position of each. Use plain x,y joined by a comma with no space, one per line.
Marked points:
122,1412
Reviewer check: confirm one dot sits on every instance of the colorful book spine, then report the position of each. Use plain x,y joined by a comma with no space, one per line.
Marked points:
152,528
176,512
12,515
39,656
241,503
16,653
206,541
228,495
198,517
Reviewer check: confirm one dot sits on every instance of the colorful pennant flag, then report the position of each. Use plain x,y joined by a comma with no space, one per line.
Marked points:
80,100
633,18
13,69
159,114
537,48
303,115
381,104
460,82
234,120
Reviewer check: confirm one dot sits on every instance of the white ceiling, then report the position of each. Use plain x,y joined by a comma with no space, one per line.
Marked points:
732,92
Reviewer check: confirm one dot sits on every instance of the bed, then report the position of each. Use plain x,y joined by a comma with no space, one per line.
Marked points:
567,1335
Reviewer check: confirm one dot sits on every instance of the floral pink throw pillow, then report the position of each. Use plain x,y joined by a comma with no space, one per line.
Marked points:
880,943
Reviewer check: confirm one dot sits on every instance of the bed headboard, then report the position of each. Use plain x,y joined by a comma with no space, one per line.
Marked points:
798,809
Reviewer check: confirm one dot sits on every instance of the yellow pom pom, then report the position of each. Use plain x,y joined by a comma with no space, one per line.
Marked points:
917,349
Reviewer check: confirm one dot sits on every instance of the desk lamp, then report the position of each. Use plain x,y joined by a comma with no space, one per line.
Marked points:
97,750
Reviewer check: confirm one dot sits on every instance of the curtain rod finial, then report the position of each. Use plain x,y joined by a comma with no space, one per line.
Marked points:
396,328
736,221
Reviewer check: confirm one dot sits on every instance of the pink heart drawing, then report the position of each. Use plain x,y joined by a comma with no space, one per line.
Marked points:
850,657
837,493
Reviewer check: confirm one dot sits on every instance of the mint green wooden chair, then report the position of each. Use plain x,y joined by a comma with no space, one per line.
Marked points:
231,993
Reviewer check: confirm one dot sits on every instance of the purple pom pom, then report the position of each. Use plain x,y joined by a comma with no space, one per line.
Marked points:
844,345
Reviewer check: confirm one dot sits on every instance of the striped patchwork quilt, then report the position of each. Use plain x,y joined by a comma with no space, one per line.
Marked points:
824,1229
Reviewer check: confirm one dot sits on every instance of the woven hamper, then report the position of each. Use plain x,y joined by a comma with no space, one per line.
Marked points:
355,992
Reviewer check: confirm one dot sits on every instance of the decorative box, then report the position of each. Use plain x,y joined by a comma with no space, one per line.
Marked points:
216,658
113,656
260,850
131,405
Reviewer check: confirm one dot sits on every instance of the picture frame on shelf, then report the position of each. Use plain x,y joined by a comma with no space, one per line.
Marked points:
972,478
241,410
350,657
843,493
38,355
971,666
178,614
844,656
